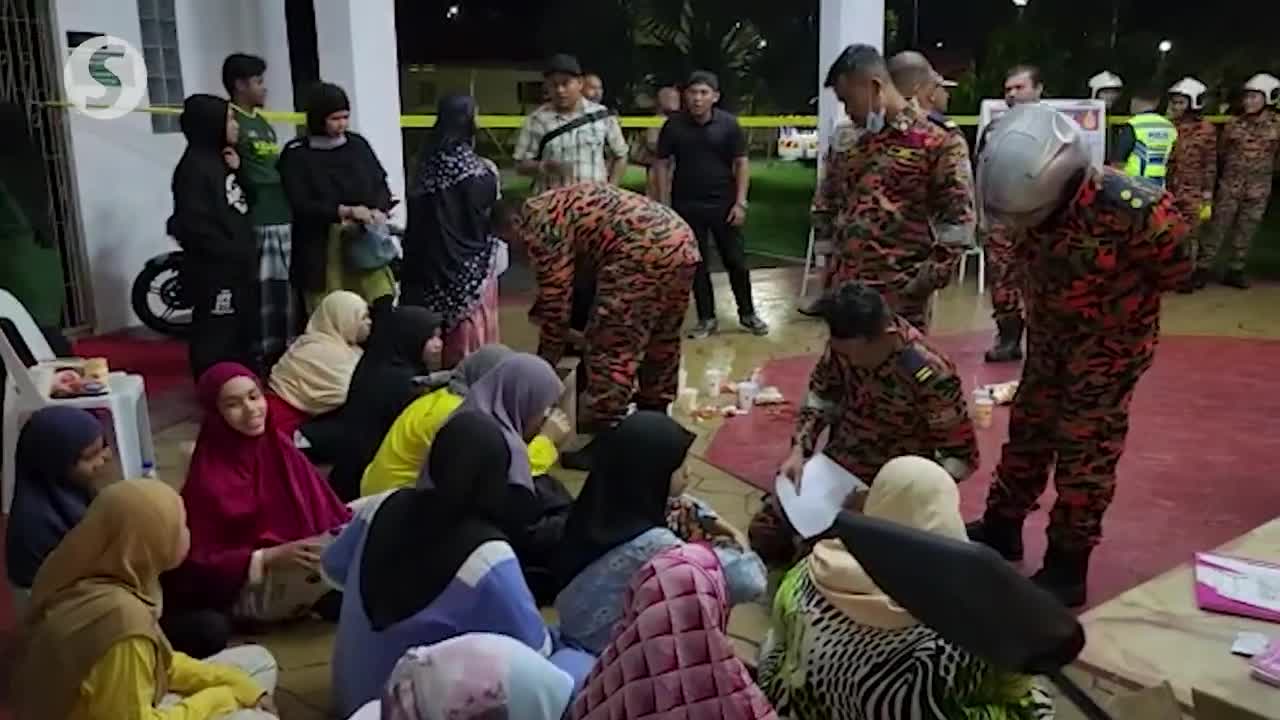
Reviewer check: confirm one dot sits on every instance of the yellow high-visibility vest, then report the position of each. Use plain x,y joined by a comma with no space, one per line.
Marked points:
1154,136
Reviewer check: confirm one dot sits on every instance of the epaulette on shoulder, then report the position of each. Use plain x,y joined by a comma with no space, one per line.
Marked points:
1123,191
915,363
943,121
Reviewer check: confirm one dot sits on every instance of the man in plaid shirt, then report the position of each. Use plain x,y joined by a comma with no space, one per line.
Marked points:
570,139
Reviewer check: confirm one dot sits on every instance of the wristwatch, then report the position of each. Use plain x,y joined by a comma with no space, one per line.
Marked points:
742,204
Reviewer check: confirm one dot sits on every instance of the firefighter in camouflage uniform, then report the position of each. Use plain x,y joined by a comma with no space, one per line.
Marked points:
1250,150
897,202
1099,248
882,391
1193,166
644,257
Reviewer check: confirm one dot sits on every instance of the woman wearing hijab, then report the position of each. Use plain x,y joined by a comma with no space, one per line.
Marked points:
404,345
619,522
520,393
211,222
474,676
314,376
62,453
676,607
260,513
830,619
422,565
404,449
94,649
60,463
449,255
332,178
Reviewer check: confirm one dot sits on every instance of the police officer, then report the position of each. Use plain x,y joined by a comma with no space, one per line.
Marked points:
882,391
1144,143
1193,166
906,214
1099,248
1107,87
1250,150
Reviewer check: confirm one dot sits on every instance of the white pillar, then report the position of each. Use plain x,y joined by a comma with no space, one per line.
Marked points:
273,46
357,48
842,23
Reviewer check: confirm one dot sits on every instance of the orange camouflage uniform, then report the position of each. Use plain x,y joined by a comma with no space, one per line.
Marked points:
1250,149
898,208
913,404
1094,280
644,257
1193,172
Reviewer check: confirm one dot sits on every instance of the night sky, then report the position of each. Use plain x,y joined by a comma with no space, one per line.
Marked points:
507,30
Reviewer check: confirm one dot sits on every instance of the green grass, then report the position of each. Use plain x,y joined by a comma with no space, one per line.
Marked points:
778,223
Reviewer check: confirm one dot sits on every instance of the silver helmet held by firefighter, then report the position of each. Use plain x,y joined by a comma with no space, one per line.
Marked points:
1031,154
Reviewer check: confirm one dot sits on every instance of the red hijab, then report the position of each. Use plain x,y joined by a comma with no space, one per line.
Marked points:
244,493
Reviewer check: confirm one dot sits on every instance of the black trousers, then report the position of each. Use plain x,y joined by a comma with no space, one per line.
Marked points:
224,322
708,224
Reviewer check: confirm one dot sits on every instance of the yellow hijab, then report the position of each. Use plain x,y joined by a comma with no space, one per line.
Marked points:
315,374
908,490
100,585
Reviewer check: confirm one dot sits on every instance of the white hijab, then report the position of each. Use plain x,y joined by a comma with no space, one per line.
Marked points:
908,490
315,373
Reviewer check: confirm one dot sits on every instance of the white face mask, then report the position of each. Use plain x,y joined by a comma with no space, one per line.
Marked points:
875,121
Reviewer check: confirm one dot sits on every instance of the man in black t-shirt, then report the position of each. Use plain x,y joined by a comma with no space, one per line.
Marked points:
708,187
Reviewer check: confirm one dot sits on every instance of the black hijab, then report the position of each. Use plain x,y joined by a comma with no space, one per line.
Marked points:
381,388
419,538
324,100
626,493
448,249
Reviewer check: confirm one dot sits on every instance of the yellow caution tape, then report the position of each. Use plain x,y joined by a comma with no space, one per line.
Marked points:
513,122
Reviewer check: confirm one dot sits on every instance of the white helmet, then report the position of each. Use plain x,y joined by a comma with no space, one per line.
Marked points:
1105,80
1031,153
1266,84
1193,89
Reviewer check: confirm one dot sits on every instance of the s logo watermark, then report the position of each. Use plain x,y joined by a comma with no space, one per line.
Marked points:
105,77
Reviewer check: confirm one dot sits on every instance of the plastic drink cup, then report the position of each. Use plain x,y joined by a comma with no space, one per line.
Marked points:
983,408
747,392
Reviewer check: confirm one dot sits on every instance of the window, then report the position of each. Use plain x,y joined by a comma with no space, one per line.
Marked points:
160,50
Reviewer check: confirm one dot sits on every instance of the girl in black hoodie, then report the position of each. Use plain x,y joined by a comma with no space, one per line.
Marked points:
211,223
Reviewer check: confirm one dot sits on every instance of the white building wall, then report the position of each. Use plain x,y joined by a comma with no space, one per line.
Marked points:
122,169
842,23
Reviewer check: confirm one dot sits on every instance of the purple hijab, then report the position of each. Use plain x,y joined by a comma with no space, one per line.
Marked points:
518,391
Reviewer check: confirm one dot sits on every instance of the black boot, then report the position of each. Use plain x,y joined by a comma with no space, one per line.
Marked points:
1236,279
1001,534
1065,574
1200,279
1008,346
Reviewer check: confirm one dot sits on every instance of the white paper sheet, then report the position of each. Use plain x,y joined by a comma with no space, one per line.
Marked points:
824,486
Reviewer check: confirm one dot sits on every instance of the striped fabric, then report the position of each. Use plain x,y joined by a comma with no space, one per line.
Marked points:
819,664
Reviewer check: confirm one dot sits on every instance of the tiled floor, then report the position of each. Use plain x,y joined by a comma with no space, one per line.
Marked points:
304,650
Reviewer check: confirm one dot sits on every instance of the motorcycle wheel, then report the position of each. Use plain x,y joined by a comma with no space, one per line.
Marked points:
158,300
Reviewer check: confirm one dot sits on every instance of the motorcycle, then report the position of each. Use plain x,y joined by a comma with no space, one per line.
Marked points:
158,299
157,296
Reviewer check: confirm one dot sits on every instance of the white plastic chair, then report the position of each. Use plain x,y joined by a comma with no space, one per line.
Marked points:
975,251
12,310
814,257
27,390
